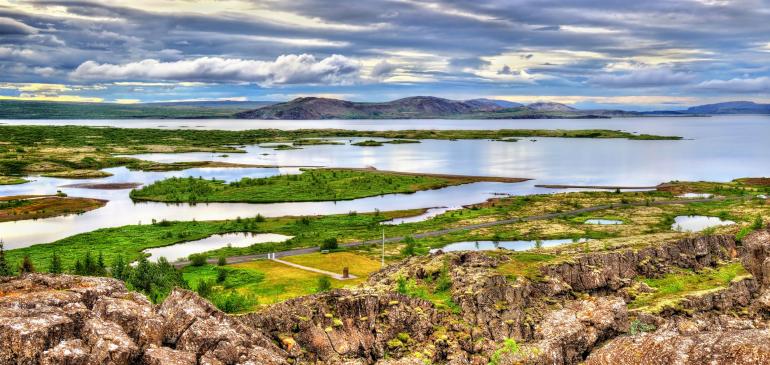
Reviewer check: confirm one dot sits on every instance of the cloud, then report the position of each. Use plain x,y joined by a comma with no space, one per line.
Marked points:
738,85
11,26
12,52
383,69
506,70
286,69
649,77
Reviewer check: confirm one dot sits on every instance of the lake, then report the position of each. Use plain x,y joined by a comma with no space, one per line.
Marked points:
716,148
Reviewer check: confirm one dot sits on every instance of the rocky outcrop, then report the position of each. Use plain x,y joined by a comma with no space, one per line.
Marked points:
68,319
721,340
611,271
344,324
756,256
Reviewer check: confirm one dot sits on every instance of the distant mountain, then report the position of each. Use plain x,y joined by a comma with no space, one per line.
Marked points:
225,104
550,107
416,107
732,107
23,109
500,103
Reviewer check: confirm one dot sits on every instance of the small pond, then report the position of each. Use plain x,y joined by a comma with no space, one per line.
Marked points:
697,223
603,222
182,250
509,245
695,195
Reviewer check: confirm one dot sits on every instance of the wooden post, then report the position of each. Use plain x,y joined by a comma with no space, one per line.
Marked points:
345,272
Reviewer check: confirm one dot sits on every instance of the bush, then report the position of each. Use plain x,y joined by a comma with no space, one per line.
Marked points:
204,288
411,247
221,275
444,282
324,284
330,244
232,301
197,259
222,261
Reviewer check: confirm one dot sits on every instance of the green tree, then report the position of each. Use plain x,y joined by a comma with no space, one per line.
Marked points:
55,267
26,266
330,244
5,270
120,270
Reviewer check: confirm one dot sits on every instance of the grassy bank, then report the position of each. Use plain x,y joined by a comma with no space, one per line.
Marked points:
12,180
311,185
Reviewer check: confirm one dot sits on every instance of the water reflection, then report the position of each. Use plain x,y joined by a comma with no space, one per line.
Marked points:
240,239
697,223
603,221
508,245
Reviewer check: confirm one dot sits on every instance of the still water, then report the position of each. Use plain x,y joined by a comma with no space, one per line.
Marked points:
716,148
508,245
697,223
240,239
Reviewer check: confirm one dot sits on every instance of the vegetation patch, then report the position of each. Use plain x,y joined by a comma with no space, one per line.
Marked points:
525,265
672,287
311,185
12,180
78,174
368,143
16,208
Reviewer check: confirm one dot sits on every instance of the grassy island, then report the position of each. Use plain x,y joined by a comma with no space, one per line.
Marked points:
16,208
310,185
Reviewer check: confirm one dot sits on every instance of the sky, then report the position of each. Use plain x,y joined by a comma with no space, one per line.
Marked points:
638,55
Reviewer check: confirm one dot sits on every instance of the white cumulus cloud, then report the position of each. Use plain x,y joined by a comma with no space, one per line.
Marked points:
286,69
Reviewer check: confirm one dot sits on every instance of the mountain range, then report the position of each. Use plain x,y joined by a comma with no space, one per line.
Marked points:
417,107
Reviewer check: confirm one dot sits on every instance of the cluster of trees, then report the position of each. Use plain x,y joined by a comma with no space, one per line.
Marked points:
156,280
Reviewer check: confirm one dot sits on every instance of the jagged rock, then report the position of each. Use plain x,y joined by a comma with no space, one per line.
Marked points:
756,255
565,335
64,319
343,323
71,352
136,316
167,356
737,347
611,270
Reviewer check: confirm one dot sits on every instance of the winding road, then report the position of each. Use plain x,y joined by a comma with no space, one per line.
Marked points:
306,250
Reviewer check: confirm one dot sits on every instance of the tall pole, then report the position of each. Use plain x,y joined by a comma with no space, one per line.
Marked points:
383,248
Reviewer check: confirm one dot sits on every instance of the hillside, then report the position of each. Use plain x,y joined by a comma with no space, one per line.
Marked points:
16,109
732,107
418,107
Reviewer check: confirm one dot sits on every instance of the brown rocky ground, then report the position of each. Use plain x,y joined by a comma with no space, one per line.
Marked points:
564,311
